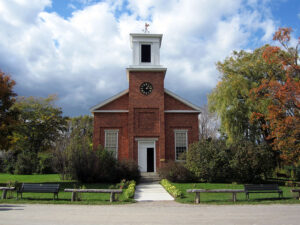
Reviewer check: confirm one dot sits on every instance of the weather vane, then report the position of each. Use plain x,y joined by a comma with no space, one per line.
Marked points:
146,31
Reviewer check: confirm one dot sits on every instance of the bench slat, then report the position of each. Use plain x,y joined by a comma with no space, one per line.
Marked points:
94,190
215,190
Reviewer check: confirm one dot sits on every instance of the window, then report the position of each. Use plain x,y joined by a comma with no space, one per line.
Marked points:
145,53
181,143
111,141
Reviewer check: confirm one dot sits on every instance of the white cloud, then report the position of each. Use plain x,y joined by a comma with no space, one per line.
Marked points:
83,58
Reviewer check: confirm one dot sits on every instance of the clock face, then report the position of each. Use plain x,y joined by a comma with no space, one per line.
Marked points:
146,88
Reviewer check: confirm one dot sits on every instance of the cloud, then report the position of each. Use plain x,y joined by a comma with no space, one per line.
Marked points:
83,58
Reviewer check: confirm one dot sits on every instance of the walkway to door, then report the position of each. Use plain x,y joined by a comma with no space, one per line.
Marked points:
151,192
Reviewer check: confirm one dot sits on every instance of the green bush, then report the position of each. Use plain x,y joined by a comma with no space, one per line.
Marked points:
128,170
45,165
209,160
89,165
250,162
171,188
129,192
25,164
175,172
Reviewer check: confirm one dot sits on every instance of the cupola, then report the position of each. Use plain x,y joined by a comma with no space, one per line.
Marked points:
145,50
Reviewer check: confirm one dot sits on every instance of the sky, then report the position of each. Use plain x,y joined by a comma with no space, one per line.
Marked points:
79,49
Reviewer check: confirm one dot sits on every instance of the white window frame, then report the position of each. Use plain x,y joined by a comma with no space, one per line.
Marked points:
117,144
186,141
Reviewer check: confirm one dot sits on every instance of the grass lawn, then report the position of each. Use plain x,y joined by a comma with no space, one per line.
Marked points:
64,197
226,198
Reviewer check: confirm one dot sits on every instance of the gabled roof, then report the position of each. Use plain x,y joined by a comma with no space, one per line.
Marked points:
92,109
196,108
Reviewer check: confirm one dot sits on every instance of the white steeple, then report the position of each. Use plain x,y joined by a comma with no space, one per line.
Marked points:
145,50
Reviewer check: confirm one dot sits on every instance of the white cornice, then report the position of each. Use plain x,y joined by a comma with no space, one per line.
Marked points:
146,139
182,111
110,111
92,109
198,109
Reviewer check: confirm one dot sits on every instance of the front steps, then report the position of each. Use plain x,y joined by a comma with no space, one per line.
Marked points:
150,177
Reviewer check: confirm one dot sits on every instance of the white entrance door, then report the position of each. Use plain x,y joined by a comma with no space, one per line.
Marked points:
146,156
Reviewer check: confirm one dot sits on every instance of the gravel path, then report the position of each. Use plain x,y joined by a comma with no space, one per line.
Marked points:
157,213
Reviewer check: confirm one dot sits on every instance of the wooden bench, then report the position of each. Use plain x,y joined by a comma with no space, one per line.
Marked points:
39,188
198,191
262,188
4,191
111,191
295,191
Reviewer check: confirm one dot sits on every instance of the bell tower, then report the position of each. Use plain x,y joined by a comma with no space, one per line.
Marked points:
146,119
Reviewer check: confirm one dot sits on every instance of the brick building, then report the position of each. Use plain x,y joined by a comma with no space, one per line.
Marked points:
146,122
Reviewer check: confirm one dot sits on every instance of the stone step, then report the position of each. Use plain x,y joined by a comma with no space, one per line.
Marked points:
149,178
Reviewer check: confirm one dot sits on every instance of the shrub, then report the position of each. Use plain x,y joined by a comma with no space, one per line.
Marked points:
251,162
25,164
244,161
175,172
45,165
176,193
129,192
89,165
209,160
128,170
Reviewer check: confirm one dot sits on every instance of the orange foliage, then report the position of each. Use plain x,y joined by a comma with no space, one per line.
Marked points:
283,117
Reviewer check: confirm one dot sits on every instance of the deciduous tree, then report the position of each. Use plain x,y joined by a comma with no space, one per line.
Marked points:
8,116
282,117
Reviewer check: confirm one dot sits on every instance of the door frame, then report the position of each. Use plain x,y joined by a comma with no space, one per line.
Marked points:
149,143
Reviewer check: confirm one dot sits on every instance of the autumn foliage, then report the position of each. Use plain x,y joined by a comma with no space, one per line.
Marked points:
8,117
281,121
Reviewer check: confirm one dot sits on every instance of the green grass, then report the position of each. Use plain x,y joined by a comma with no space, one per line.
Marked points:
64,197
226,198
39,178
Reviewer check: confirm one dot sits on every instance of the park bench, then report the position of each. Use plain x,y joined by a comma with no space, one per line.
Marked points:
296,191
262,188
198,191
112,192
4,191
39,188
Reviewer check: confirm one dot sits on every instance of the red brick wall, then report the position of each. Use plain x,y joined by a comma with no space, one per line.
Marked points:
103,121
186,121
120,103
173,104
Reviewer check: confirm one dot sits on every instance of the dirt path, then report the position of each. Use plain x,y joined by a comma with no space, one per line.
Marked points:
149,213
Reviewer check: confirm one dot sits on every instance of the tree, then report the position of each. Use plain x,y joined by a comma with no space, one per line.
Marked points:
8,116
231,99
40,123
208,124
78,134
282,117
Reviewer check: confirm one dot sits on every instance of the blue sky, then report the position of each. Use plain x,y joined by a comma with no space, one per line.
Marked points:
79,49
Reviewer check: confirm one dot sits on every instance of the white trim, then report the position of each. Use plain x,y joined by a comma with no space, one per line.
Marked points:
182,111
183,100
146,36
117,144
146,139
151,143
92,109
186,140
111,111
